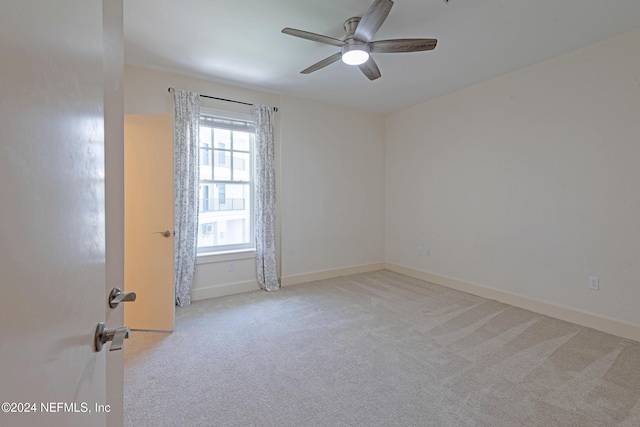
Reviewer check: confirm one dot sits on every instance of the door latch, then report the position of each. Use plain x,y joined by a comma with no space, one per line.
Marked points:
116,336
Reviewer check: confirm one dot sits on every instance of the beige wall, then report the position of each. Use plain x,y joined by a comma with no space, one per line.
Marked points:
330,191
527,183
332,187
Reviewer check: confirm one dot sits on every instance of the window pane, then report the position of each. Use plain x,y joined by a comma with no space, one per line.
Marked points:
205,155
232,197
206,173
222,157
207,233
206,198
206,169
222,168
241,141
221,136
205,135
241,167
228,220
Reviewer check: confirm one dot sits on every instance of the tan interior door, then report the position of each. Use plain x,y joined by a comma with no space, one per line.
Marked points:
148,265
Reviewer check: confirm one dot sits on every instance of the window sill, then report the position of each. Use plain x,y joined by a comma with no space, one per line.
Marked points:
208,258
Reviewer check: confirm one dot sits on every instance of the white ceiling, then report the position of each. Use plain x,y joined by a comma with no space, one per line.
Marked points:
239,42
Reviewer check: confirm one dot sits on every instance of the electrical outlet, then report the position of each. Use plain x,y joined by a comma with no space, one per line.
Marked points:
424,252
232,266
594,283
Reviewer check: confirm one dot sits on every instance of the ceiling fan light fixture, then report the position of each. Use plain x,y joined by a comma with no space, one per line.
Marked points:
358,41
355,54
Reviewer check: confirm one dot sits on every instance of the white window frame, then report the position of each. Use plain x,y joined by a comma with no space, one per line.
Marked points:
211,253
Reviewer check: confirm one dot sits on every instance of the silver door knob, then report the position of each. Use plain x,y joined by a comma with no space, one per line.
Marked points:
164,233
116,336
117,296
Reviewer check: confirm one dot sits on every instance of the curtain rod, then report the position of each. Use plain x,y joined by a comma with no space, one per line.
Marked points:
223,99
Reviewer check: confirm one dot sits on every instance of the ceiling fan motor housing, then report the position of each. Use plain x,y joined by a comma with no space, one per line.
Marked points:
350,26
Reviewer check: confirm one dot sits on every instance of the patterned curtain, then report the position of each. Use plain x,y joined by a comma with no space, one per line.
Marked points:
265,199
186,179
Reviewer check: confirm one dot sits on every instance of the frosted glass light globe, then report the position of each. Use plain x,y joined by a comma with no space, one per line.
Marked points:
355,54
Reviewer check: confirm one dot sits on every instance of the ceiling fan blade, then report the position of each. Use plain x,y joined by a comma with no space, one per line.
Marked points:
402,45
372,20
326,61
313,37
370,69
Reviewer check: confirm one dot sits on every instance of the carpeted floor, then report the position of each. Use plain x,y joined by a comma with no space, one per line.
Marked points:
377,349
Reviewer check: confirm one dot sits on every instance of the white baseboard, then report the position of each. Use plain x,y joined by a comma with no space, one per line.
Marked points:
224,290
330,274
252,285
604,324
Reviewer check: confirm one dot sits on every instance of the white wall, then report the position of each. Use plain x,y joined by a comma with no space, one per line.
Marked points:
332,199
331,177
146,92
527,183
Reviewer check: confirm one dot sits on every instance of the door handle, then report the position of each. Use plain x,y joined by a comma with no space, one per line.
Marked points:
116,336
164,233
117,296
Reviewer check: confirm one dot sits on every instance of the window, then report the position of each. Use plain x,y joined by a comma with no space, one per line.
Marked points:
226,183
222,194
222,155
205,198
205,154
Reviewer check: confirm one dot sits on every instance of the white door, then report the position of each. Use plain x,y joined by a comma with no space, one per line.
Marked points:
52,213
113,68
148,268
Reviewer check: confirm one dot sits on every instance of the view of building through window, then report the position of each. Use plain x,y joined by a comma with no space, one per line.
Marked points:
225,220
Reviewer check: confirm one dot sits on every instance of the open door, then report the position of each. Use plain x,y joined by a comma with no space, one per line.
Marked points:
52,210
149,221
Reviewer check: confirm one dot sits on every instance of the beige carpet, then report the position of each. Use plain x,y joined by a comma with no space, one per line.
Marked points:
377,349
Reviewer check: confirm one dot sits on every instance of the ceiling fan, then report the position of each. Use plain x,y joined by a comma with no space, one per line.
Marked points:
357,45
